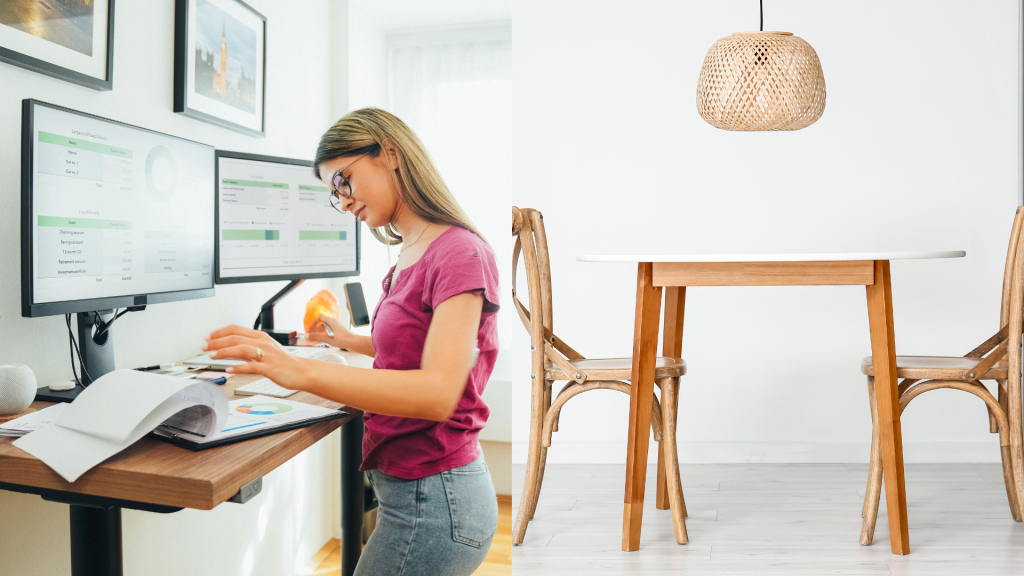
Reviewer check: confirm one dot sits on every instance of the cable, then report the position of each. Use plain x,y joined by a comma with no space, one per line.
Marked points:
762,15
74,348
67,318
106,326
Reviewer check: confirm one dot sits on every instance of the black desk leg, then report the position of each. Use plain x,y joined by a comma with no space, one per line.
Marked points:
96,541
352,495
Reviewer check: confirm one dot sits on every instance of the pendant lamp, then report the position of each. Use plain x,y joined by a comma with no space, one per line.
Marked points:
760,81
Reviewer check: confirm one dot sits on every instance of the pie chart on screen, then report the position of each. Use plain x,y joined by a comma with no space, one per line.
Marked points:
161,174
263,408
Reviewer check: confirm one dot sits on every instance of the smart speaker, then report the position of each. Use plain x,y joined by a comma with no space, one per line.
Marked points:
17,388
332,358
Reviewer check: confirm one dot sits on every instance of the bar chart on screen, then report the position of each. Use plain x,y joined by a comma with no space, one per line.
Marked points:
276,219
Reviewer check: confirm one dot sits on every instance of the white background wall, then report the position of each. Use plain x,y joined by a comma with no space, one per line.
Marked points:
917,149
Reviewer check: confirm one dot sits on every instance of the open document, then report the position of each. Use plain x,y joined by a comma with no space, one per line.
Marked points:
249,417
116,411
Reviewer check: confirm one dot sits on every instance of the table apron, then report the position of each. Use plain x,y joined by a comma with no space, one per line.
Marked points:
836,273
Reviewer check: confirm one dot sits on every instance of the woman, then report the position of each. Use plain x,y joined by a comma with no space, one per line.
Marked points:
423,410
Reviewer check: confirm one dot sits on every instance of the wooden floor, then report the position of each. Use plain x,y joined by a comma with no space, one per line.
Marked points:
498,561
772,519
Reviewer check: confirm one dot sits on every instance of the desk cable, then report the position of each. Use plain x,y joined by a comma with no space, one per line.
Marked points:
73,344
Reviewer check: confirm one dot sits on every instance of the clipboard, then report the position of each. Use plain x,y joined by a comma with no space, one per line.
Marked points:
173,437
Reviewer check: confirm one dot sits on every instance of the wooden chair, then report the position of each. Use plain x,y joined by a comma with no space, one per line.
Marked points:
553,360
998,358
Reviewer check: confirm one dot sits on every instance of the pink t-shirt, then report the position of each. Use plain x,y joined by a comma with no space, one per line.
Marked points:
457,261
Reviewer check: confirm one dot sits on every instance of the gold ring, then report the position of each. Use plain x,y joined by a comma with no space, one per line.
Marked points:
259,354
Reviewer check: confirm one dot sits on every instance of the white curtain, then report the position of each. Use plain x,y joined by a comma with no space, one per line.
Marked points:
457,97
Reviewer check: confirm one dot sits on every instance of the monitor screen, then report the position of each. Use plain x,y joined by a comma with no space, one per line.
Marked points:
275,222
112,215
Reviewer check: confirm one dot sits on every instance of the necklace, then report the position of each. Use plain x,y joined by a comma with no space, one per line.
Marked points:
424,231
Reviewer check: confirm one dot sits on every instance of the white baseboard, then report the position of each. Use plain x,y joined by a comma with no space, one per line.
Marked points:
768,452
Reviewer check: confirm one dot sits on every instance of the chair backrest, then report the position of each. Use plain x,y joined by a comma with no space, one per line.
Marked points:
1006,343
1011,253
538,318
1012,318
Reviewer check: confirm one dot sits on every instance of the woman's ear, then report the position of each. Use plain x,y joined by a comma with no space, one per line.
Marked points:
391,154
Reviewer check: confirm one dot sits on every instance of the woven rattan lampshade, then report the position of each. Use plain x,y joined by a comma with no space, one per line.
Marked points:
755,81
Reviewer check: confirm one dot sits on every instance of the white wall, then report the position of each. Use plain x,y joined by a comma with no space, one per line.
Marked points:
280,530
917,149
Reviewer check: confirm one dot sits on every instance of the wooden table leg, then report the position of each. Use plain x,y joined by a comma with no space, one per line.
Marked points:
883,356
671,347
641,401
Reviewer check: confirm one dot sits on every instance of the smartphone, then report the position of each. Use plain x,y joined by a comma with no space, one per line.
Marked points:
356,304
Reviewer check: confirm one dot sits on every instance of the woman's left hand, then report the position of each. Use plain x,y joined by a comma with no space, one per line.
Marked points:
261,353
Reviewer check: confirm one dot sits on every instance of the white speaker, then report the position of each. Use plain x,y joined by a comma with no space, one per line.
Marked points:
333,359
17,388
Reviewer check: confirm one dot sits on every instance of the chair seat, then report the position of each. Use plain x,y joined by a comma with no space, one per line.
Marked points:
936,367
615,368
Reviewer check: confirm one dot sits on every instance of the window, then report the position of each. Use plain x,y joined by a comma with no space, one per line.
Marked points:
454,89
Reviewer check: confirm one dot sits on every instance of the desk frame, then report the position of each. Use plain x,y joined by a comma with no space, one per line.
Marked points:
674,277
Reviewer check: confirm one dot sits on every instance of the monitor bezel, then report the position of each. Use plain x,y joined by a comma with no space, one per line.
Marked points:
32,309
218,154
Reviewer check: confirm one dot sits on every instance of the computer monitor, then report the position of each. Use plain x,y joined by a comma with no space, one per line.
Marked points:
112,216
275,222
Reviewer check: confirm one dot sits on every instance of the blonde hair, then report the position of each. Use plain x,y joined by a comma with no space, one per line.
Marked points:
422,189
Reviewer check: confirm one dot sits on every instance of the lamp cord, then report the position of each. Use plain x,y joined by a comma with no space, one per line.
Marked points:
762,15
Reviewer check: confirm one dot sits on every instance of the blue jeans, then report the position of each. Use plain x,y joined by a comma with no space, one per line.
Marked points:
439,525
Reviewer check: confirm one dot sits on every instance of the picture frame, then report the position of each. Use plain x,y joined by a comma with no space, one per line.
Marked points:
73,42
220,63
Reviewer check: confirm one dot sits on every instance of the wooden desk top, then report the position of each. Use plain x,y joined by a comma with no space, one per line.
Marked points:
770,257
156,472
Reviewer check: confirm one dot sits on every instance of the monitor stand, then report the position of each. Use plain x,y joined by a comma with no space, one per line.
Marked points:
98,357
265,321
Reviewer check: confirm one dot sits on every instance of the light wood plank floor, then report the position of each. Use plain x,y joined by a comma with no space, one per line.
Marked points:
498,561
755,519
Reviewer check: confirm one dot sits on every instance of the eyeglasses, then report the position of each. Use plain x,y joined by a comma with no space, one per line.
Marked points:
342,187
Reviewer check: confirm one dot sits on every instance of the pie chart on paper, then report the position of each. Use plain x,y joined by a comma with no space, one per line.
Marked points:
263,408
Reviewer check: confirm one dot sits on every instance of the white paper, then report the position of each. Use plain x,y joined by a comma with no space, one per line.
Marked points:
114,405
116,411
32,421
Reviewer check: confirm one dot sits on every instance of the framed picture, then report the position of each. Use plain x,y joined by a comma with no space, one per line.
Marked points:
68,39
220,63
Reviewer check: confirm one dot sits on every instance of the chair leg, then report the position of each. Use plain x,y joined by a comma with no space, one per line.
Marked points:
675,443
533,459
873,491
540,480
548,388
662,502
874,442
669,449
1011,492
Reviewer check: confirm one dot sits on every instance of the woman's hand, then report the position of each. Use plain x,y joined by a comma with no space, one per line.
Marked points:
263,355
341,337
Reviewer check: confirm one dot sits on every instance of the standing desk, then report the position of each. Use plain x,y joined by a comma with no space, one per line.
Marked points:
155,476
674,272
